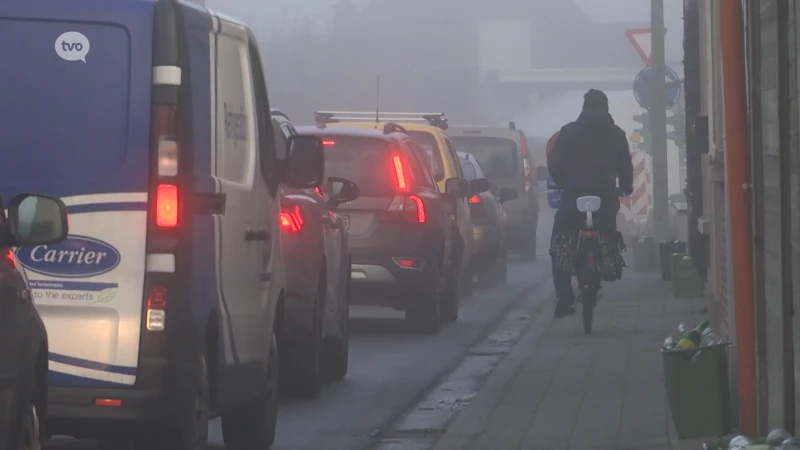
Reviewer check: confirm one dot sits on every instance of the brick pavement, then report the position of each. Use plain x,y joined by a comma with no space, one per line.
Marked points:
561,390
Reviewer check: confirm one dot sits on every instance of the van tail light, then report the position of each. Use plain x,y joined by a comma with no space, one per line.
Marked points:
292,220
156,308
409,209
10,259
526,162
167,206
165,135
400,173
476,208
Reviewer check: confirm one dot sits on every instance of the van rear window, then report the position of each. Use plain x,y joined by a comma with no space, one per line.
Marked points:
498,157
64,99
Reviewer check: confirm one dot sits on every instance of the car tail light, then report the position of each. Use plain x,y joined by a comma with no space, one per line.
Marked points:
328,143
292,220
156,308
476,208
410,209
399,173
526,163
409,263
167,205
10,258
112,402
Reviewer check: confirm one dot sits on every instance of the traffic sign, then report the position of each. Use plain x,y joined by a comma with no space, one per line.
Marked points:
642,90
636,137
642,41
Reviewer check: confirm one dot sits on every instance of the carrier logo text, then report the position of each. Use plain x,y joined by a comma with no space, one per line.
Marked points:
76,257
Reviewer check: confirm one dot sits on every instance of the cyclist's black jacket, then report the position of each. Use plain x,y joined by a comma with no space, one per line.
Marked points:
588,157
590,154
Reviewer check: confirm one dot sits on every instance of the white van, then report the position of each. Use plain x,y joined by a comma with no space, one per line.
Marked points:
150,119
504,156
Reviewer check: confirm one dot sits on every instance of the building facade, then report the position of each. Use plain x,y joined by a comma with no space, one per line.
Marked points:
772,40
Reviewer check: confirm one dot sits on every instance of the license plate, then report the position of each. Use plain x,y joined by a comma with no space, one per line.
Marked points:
345,222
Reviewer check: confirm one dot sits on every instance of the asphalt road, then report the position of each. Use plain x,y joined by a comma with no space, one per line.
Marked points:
390,369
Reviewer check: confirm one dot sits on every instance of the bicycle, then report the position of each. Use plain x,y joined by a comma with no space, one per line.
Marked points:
587,264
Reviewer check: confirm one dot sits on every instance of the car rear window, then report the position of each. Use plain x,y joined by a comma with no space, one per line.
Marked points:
364,160
63,117
428,143
498,157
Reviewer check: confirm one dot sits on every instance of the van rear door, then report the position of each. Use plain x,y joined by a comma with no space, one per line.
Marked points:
75,121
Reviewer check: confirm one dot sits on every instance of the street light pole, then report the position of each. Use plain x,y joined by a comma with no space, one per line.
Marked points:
658,117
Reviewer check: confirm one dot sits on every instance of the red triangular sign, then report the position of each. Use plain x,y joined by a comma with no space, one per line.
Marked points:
641,39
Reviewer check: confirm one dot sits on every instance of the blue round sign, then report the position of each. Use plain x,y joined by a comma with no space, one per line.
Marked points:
642,91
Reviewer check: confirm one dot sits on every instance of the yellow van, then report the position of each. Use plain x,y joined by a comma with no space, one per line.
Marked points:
427,130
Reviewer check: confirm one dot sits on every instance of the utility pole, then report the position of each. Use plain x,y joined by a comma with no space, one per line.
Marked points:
658,117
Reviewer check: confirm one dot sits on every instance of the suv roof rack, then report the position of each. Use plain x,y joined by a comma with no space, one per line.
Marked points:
392,127
435,119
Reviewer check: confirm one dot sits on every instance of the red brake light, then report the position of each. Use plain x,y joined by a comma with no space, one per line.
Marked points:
157,298
10,258
421,217
475,199
399,172
167,205
292,220
318,191
113,402
328,143
409,209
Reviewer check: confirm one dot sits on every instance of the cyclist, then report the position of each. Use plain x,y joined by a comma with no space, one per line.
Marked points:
588,157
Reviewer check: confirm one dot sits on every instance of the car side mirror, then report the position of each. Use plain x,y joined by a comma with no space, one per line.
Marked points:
456,188
542,173
507,194
305,165
479,186
341,191
37,220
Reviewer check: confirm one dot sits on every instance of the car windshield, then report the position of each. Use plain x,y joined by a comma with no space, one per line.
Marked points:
497,157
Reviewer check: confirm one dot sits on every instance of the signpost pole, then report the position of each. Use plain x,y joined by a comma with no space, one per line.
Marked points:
658,117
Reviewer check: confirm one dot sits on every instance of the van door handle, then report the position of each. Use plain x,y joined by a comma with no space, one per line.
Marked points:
256,235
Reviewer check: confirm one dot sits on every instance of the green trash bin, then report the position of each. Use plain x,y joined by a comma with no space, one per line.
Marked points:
686,281
698,391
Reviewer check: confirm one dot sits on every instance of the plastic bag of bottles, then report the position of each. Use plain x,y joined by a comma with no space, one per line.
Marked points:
691,338
778,439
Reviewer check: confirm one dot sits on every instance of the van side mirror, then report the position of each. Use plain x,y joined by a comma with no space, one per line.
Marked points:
507,194
542,173
341,191
37,220
305,165
456,188
479,186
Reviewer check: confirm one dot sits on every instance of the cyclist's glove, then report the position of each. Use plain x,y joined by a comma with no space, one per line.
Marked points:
626,190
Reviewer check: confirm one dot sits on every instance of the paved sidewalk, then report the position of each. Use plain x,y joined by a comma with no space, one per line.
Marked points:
561,390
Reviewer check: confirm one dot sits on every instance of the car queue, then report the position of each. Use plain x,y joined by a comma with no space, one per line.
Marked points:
196,253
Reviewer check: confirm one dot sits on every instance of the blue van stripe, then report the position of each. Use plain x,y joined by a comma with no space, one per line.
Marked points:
66,379
107,207
94,365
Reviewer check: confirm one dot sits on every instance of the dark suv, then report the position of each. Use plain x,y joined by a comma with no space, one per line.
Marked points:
33,220
400,226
